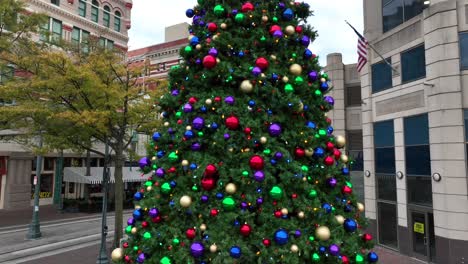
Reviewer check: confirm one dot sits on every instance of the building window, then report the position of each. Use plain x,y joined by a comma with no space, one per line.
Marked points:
45,31
463,38
353,96
354,145
106,43
82,8
106,16
110,44
55,2
418,160
80,38
413,64
45,186
387,224
6,73
56,31
85,41
385,160
117,21
95,11
381,76
395,12
76,36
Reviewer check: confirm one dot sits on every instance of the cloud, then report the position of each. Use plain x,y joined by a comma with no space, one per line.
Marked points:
150,17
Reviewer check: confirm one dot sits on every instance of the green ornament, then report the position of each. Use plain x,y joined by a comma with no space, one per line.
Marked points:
175,67
262,39
154,166
148,183
229,78
194,188
267,151
166,188
299,80
312,194
175,241
218,10
200,134
322,132
288,88
147,235
325,76
239,18
200,2
245,173
178,114
350,185
318,92
128,229
315,257
135,248
311,238
229,203
276,192
359,258
165,260
173,157
304,168
188,49
294,55
250,68
275,19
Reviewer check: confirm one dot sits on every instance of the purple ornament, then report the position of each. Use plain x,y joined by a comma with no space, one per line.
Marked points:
171,131
160,172
131,221
196,146
144,162
188,108
278,155
278,34
198,61
313,76
244,205
197,249
227,136
259,200
153,212
141,258
196,19
305,40
204,198
198,123
256,71
281,5
259,176
329,100
235,11
274,130
297,233
334,249
201,23
213,52
229,100
332,182
175,92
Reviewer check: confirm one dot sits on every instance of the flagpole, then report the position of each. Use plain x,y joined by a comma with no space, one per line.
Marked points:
372,47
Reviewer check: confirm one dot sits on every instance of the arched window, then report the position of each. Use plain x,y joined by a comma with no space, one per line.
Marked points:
95,11
106,16
117,21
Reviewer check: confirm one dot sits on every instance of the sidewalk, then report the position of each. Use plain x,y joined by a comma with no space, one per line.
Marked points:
388,256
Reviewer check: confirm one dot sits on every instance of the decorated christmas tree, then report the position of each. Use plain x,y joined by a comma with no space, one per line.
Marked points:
246,168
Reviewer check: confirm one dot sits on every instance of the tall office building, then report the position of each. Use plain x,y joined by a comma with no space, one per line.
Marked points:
414,115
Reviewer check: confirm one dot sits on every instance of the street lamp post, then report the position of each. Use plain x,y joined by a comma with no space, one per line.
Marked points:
102,257
34,231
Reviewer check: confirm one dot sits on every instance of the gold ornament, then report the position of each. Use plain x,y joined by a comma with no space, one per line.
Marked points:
344,158
295,69
263,140
223,25
185,201
309,152
294,248
208,101
198,47
215,37
340,219
246,86
230,149
301,215
340,141
300,107
273,57
231,188
153,158
264,18
322,233
149,188
137,207
213,248
166,124
285,79
360,207
185,163
323,80
134,230
218,60
117,254
188,128
284,211
202,227
289,30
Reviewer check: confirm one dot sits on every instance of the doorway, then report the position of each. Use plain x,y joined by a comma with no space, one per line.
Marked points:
422,235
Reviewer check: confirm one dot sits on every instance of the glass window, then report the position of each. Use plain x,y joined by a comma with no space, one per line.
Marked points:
45,31
419,190
353,96
85,41
56,30
82,8
395,12
413,64
354,143
49,164
416,130
117,21
413,8
45,187
102,42
55,2
94,162
387,221
106,16
381,76
75,36
383,134
95,11
463,38
110,44
384,155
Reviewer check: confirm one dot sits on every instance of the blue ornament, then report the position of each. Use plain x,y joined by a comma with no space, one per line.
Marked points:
308,54
138,214
311,125
348,208
288,14
327,207
160,154
164,114
251,103
188,134
306,108
236,223
189,13
214,125
319,152
274,76
322,249
324,86
330,129
372,257
235,252
345,171
173,184
138,196
350,225
156,136
219,196
281,237
193,166
194,41
240,54
273,162
203,109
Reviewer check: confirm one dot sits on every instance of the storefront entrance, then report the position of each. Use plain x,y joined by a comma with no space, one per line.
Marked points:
422,234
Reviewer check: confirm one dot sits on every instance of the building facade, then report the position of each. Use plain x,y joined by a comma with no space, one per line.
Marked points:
414,125
75,21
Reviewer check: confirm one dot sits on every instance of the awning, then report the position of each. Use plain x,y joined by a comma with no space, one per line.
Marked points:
77,174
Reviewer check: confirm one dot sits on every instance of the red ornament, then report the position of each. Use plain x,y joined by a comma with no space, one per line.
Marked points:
299,152
209,61
262,63
214,212
337,154
208,184
156,219
266,242
330,146
278,214
232,122
256,162
190,233
144,224
247,7
294,196
274,28
367,237
247,130
346,190
192,100
344,259
127,258
299,29
245,230
211,170
212,27
328,161
125,245
171,170
217,99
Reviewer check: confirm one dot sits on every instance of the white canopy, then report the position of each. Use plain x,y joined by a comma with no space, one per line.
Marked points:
77,174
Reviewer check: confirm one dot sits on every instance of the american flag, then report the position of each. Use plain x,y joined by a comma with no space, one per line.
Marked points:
361,49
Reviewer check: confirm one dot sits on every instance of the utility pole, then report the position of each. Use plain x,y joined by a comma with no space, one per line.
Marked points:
34,228
102,257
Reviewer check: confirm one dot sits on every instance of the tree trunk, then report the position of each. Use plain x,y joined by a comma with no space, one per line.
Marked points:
118,192
88,173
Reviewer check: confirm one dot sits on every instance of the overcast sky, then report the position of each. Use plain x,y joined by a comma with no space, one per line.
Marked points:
150,17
